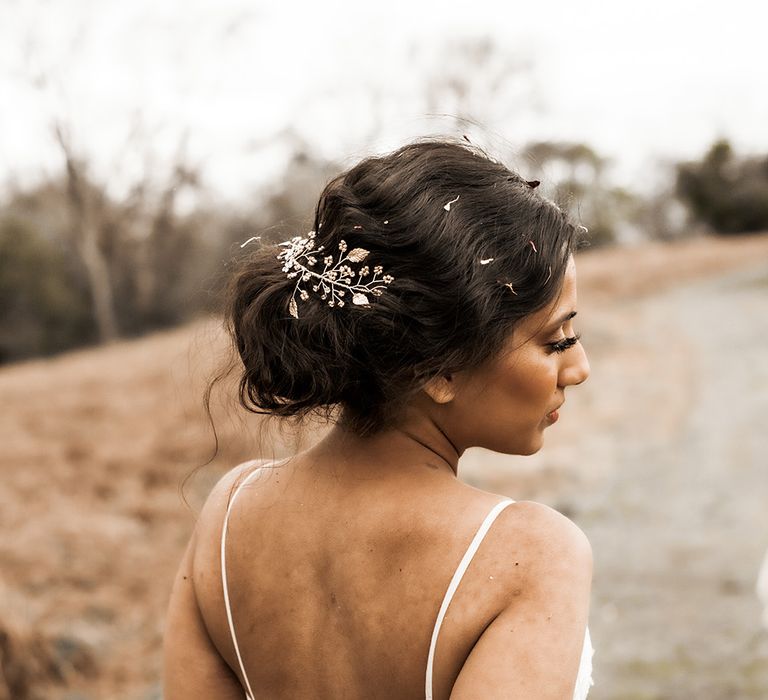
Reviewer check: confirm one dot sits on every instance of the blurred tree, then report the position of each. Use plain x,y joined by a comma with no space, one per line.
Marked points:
162,242
293,198
287,204
45,308
726,192
85,207
132,252
661,216
612,214
78,266
580,190
474,81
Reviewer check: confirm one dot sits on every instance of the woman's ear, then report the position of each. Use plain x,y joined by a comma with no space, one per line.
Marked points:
441,389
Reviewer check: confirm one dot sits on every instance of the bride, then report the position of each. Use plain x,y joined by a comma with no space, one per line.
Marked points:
430,310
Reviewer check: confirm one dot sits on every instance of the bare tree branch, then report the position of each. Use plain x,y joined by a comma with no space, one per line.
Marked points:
85,234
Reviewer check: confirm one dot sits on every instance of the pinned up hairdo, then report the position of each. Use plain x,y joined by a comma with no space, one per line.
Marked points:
471,248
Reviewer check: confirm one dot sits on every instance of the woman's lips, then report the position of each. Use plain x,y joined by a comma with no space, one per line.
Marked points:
552,417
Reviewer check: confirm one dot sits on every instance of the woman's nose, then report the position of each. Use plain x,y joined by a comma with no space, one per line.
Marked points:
577,369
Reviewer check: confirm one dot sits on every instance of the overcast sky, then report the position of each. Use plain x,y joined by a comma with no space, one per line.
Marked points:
637,81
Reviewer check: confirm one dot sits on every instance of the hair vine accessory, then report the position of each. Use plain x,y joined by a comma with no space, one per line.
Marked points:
336,280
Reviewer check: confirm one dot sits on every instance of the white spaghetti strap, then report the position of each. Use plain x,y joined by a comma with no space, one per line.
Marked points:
454,584
250,695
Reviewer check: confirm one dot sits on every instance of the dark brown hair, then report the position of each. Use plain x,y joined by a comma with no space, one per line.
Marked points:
445,310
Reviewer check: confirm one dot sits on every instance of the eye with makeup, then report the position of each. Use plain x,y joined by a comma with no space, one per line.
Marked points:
565,343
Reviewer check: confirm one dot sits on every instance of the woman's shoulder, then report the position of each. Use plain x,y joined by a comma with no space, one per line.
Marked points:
536,522
540,562
543,525
214,508
210,521
224,492
539,546
207,540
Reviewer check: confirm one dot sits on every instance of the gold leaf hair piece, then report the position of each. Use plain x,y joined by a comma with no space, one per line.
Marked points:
336,280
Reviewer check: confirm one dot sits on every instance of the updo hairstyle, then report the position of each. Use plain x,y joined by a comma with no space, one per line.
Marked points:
464,277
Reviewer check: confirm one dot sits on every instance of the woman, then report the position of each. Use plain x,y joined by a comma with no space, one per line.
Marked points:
430,310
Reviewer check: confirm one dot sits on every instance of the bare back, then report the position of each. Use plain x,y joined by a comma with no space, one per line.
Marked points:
335,580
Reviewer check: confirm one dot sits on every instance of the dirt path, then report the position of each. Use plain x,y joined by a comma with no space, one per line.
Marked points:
672,488
683,521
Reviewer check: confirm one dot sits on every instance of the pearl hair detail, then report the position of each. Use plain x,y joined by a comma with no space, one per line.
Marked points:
337,279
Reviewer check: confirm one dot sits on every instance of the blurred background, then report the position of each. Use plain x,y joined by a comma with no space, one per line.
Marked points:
141,143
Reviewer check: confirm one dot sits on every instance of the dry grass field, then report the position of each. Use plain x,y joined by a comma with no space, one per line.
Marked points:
95,444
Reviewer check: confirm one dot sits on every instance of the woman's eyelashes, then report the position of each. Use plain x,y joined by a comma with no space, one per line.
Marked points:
565,343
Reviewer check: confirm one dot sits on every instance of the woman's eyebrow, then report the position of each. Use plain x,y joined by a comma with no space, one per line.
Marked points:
565,318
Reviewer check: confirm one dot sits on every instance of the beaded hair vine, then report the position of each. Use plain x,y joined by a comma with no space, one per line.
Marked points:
337,279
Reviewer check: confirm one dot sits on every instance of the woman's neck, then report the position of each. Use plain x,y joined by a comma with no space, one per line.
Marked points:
415,443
